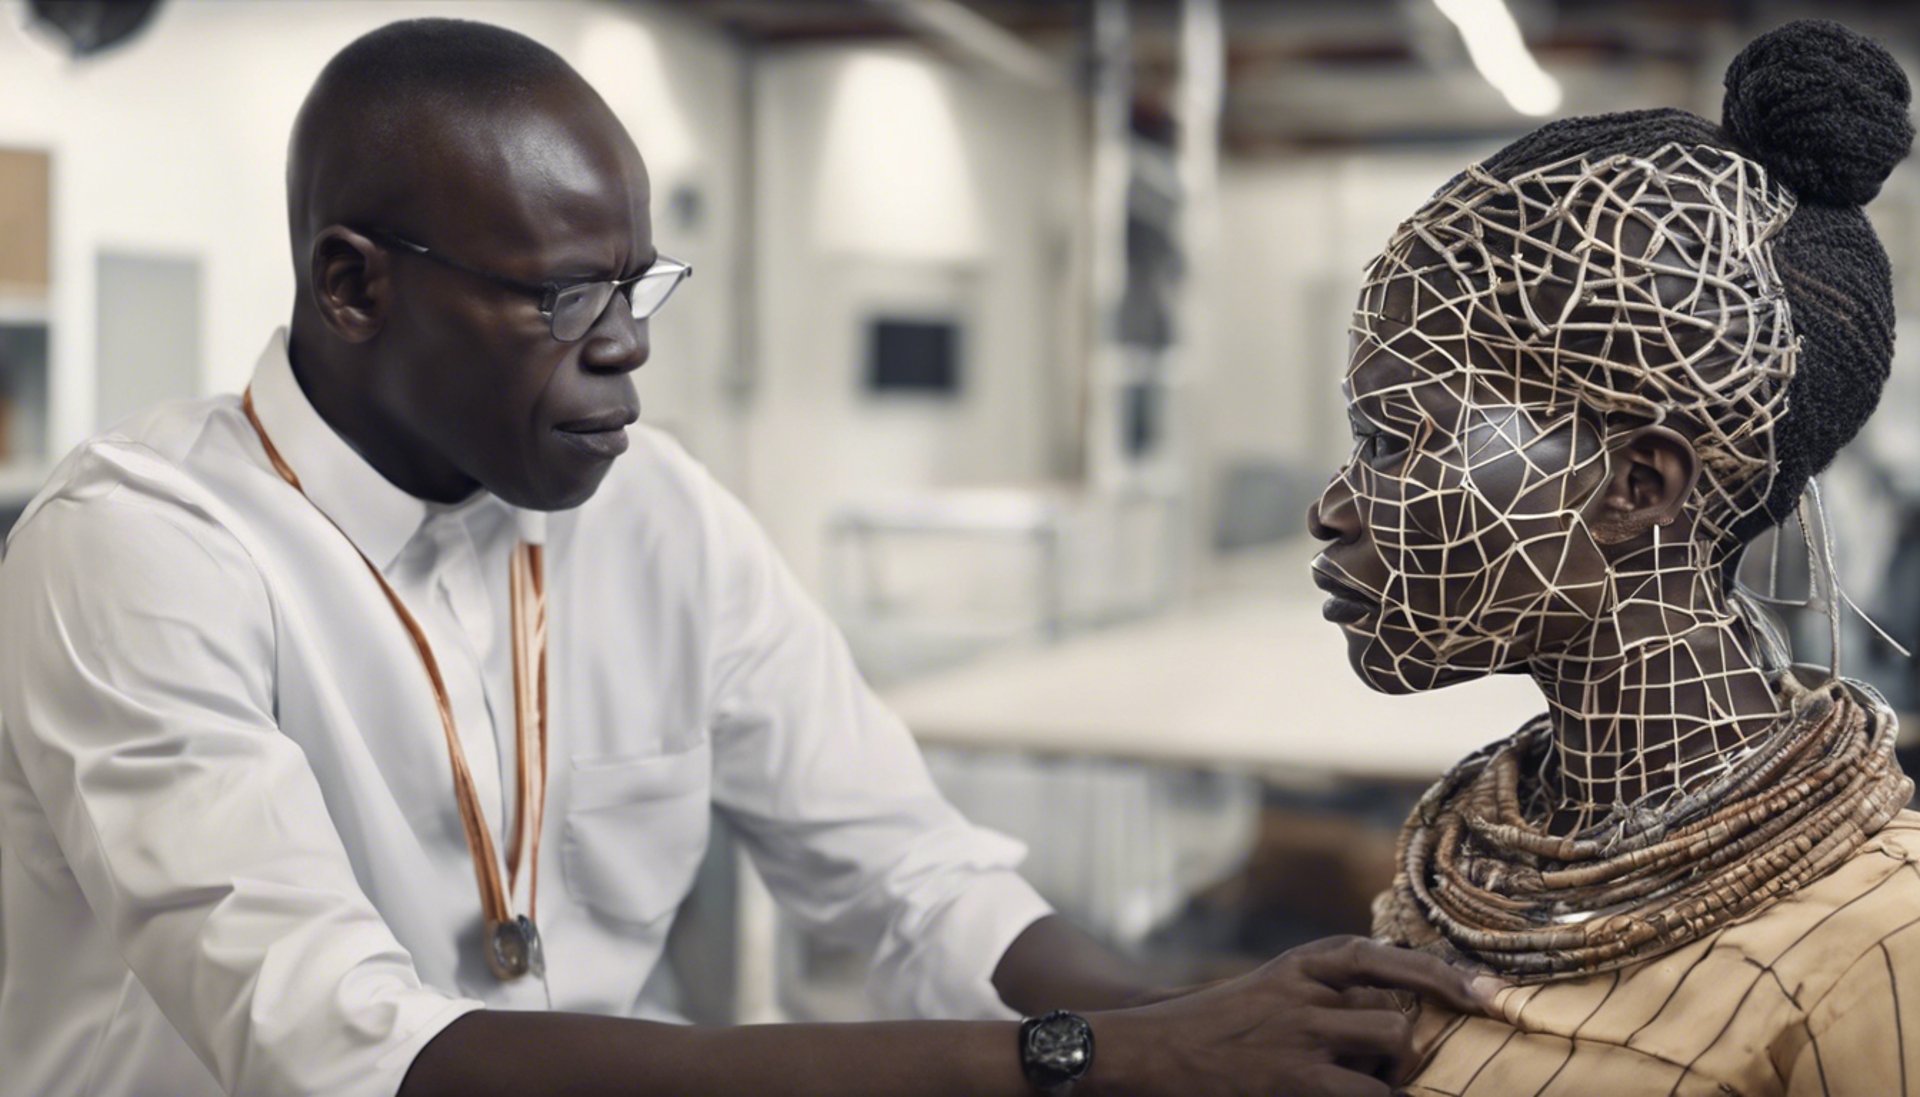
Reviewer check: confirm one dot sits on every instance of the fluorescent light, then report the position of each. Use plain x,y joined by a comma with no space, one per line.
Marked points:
1494,43
621,59
895,178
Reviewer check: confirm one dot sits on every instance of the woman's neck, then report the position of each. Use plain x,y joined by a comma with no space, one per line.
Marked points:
1664,691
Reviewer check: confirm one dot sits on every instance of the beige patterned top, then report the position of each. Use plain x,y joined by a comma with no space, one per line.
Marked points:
1808,997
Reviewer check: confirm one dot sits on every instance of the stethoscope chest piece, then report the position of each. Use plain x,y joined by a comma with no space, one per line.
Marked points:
513,949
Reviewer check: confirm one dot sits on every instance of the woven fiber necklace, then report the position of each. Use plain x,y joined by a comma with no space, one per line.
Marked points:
1477,881
512,942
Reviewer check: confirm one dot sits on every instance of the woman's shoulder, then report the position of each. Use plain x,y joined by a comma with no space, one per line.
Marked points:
1879,879
1901,835
1846,946
1812,936
1882,877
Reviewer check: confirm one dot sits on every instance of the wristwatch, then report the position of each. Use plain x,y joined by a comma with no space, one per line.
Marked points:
1056,1050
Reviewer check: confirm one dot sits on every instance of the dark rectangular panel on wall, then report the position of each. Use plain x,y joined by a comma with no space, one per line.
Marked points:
913,356
23,392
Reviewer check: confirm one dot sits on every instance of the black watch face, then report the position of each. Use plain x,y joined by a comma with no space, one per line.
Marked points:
1059,1048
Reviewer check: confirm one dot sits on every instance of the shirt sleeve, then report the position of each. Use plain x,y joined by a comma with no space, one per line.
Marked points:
1853,1042
137,688
834,803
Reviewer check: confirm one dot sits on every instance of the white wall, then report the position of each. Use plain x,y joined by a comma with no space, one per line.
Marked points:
996,249
175,144
1295,235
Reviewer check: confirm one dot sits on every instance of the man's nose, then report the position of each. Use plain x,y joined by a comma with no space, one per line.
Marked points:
617,343
1333,517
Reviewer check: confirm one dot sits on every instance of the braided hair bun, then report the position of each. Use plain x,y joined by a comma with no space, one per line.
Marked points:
1824,108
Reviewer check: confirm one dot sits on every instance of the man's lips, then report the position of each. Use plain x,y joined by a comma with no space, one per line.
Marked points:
611,419
1347,605
603,436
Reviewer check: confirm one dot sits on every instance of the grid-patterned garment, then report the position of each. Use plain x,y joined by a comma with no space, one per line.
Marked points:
1805,998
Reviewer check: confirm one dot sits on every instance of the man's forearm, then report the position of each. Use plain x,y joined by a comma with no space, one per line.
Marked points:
1051,965
1287,1026
524,1054
1054,965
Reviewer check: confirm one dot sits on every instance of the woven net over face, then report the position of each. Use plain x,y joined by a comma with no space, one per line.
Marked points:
1509,335
1510,346
1639,288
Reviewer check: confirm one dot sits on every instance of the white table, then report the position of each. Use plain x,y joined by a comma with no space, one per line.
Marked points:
1251,680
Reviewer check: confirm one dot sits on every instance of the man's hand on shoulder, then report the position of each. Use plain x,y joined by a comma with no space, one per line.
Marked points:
1323,1020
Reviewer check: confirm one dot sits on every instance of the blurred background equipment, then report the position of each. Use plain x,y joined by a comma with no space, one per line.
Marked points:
26,217
1019,327
90,26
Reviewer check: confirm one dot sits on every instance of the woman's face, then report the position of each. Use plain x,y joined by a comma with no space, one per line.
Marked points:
1502,335
1457,538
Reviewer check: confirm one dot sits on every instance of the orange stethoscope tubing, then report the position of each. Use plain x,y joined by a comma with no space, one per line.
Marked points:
527,577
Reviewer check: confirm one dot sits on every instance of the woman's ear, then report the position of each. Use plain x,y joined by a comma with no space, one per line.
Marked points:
1652,474
350,283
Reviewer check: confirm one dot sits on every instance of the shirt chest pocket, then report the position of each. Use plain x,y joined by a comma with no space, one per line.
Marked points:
636,829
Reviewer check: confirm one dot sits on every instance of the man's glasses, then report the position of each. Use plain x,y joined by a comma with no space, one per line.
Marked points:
571,309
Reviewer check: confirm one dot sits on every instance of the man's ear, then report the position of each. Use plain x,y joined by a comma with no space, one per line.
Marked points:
350,280
1652,474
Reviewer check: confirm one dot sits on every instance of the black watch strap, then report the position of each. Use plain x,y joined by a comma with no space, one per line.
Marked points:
1056,1049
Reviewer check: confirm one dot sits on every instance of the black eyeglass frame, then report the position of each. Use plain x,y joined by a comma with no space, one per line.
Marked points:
550,293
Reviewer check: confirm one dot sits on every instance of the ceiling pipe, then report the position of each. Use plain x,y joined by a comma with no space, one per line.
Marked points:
978,38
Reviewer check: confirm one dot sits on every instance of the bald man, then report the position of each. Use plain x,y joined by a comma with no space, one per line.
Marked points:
361,731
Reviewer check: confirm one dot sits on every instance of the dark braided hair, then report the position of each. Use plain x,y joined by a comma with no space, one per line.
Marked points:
1824,110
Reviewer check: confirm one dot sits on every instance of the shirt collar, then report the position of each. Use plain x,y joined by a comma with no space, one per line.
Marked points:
378,517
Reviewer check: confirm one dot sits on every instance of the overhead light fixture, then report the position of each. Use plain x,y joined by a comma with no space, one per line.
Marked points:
87,27
621,58
1497,50
896,181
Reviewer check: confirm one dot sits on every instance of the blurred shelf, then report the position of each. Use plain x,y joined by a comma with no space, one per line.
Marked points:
23,309
19,480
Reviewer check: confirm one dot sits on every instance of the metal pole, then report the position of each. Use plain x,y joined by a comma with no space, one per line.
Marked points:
1203,56
1111,70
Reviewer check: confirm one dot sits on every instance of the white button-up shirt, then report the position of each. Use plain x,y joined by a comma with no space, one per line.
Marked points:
230,854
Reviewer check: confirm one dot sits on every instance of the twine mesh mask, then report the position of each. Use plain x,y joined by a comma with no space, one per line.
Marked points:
1507,343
